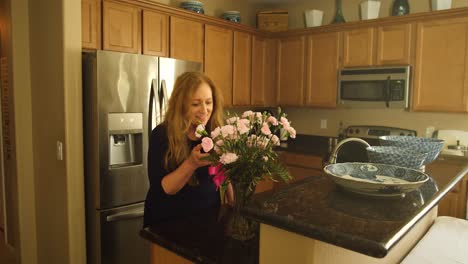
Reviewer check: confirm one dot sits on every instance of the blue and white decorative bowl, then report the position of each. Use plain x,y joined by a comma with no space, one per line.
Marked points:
374,179
233,16
403,157
195,6
431,146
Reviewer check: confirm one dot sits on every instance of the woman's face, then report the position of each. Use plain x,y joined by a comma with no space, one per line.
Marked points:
201,105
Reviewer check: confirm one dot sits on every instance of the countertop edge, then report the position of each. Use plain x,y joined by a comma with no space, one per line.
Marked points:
427,208
381,249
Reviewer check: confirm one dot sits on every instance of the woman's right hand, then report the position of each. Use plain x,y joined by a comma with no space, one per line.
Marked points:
196,157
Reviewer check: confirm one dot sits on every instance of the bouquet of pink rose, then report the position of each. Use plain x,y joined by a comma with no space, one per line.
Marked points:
242,150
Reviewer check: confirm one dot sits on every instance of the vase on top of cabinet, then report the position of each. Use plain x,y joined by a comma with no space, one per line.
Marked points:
339,18
400,8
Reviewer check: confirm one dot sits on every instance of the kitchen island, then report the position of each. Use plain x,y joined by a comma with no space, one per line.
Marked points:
310,221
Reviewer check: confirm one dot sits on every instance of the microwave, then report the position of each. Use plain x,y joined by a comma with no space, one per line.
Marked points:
374,87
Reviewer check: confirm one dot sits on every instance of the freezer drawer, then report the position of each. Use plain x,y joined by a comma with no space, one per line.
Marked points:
120,239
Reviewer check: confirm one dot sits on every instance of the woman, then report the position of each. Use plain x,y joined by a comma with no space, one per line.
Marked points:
178,174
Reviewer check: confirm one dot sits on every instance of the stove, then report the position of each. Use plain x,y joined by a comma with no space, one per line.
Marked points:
355,151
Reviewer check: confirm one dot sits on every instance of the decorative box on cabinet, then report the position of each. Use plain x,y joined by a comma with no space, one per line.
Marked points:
186,39
121,27
218,59
155,33
321,78
91,24
242,68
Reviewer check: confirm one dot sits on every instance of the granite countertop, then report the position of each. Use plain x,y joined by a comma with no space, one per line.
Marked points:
315,207
200,238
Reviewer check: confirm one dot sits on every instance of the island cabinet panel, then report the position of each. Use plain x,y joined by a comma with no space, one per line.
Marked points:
358,47
218,59
291,62
121,27
323,56
442,170
263,72
394,43
91,24
186,39
300,166
155,33
440,71
242,68
160,255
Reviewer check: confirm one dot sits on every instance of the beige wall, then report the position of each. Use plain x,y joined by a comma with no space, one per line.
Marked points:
351,10
307,121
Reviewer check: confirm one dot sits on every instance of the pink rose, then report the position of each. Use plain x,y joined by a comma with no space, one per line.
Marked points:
215,132
232,120
227,130
285,122
207,144
275,140
227,158
292,132
272,120
247,114
266,129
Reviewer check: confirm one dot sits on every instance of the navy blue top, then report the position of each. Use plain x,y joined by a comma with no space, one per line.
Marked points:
160,206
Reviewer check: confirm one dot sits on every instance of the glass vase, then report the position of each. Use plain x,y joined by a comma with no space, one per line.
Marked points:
339,18
400,8
239,227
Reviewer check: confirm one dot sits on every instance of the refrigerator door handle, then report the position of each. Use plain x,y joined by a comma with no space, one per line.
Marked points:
165,98
125,215
153,99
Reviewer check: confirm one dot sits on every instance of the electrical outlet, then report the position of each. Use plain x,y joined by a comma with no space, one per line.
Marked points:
323,123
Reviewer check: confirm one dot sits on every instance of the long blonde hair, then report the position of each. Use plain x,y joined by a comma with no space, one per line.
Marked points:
177,121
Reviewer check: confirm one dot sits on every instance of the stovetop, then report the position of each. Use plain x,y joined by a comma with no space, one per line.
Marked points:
377,131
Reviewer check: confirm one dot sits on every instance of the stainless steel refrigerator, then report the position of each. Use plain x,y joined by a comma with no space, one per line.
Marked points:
124,97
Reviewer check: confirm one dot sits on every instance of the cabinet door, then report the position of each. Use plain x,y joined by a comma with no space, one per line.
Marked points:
263,72
242,68
449,206
358,47
121,27
186,39
394,44
441,70
155,33
291,71
91,24
218,59
321,78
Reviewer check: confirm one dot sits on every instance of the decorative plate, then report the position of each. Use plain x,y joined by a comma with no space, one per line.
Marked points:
375,179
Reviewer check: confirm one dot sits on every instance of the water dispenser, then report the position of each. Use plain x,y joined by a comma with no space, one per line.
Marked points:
125,139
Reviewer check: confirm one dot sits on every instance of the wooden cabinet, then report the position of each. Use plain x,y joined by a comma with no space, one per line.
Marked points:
301,166
263,85
155,33
322,78
218,59
121,27
242,68
440,70
394,43
186,39
358,47
91,24
443,170
291,59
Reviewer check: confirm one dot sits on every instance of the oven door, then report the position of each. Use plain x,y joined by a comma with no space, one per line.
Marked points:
121,242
